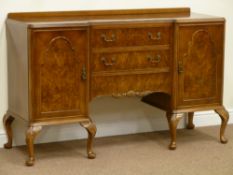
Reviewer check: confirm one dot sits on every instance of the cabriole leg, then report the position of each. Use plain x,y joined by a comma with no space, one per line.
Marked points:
173,120
224,117
7,121
190,124
31,133
91,129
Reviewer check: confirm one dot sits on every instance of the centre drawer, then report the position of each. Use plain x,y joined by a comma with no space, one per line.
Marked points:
130,60
118,85
137,36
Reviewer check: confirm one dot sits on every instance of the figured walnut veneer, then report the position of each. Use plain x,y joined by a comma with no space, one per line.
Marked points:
56,82
59,61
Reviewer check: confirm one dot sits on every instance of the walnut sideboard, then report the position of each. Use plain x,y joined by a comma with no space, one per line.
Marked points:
59,61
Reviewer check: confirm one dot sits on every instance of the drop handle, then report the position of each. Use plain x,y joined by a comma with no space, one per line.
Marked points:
154,59
180,67
84,73
156,37
111,62
112,38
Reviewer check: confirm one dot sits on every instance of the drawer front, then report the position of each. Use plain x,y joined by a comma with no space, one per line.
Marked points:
130,60
122,84
120,37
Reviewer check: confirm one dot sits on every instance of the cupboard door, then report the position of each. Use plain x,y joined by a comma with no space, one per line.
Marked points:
200,64
58,79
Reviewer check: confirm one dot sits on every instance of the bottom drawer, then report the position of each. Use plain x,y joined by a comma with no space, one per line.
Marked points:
119,85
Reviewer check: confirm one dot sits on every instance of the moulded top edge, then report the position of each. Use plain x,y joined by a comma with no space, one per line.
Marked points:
63,15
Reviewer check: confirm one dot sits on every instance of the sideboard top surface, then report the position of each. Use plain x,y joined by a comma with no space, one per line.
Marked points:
43,19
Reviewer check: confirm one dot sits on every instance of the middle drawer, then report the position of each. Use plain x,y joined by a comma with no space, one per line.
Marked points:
130,60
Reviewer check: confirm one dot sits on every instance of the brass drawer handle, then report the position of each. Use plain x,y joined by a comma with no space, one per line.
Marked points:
180,67
84,73
157,37
154,60
112,62
106,39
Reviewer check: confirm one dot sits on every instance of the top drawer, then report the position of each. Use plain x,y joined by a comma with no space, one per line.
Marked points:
130,36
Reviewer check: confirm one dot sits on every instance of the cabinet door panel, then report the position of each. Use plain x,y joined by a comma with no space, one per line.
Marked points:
58,59
200,64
